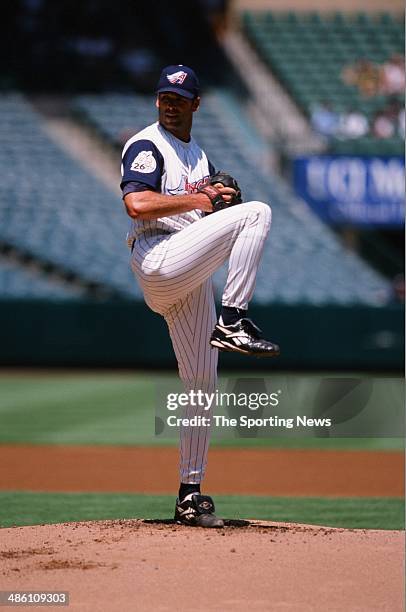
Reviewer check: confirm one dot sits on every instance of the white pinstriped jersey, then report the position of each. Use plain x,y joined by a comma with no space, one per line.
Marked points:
162,162
174,270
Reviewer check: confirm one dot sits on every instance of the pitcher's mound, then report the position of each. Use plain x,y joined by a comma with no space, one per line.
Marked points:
157,565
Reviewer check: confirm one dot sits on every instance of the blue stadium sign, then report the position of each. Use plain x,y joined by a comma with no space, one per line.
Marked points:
353,190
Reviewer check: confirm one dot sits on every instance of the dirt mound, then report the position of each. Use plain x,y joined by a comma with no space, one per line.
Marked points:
158,565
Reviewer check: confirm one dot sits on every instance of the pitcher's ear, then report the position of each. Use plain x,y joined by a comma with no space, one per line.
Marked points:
196,104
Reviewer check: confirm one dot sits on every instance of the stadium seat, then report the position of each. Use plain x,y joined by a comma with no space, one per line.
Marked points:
88,242
44,205
292,45
19,280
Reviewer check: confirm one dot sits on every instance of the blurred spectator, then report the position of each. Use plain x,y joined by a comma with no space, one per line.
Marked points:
393,108
363,74
392,78
353,124
389,121
325,120
383,125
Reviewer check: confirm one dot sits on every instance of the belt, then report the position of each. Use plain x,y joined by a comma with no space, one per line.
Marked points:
131,239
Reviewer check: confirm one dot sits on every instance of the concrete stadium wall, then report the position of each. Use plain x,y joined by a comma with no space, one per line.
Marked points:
128,334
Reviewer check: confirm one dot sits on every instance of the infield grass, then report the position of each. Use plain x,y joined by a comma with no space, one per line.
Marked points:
27,508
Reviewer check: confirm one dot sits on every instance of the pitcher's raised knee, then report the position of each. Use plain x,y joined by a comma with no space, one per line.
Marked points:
263,211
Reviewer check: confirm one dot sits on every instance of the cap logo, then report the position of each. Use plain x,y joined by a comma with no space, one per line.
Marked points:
177,77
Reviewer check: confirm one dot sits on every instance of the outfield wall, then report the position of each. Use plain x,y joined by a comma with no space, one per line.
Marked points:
128,334
323,6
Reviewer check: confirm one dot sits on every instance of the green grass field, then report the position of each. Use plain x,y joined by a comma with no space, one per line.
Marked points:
118,408
113,408
25,508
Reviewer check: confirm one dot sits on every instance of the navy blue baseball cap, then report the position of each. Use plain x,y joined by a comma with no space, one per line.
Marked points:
180,79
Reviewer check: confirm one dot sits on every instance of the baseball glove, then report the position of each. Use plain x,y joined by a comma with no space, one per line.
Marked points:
214,194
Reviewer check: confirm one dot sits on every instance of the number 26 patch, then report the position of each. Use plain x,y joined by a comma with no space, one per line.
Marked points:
144,162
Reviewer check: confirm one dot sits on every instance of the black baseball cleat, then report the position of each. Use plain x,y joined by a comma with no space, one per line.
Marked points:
197,510
242,337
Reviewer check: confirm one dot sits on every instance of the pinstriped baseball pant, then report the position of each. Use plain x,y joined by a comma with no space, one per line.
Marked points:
174,272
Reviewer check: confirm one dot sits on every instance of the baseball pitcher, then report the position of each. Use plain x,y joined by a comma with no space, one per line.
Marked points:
186,221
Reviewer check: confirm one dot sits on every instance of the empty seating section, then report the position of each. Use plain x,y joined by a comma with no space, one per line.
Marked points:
308,53
21,281
53,209
137,112
303,261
